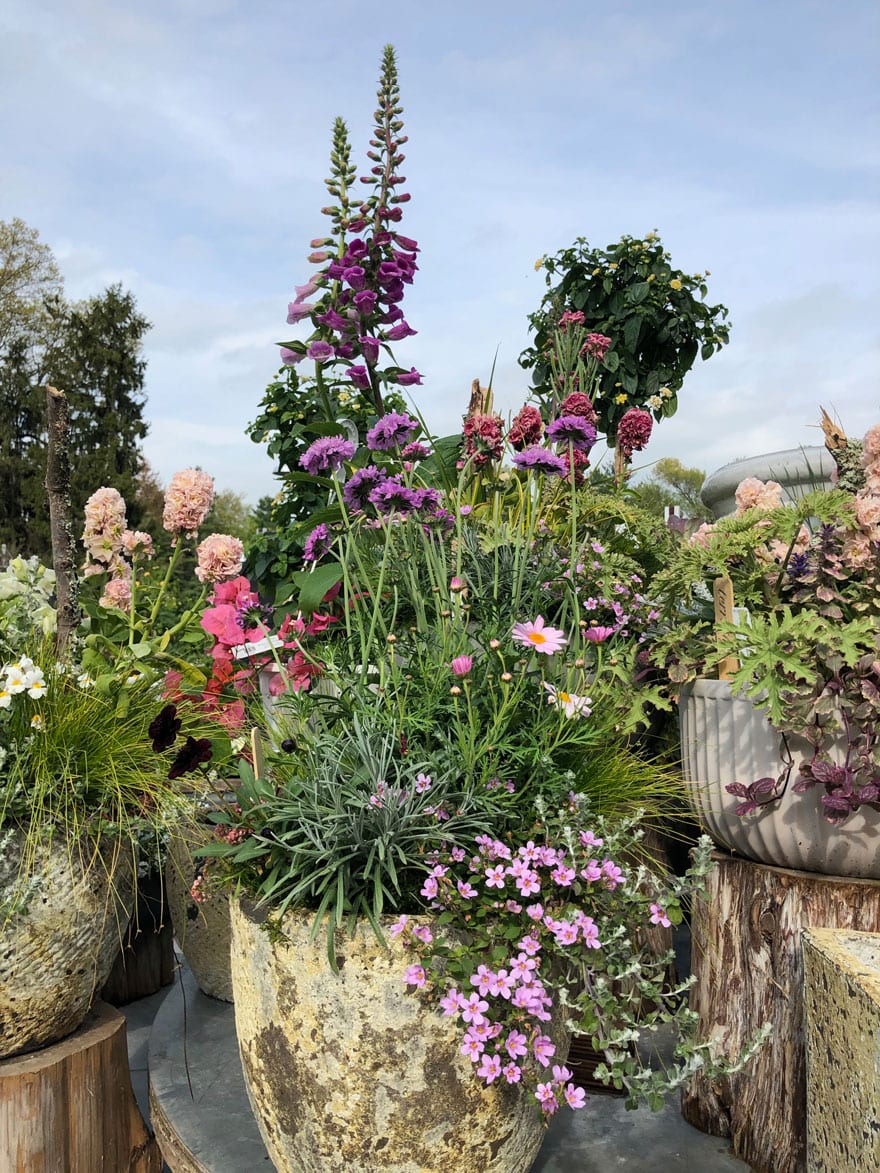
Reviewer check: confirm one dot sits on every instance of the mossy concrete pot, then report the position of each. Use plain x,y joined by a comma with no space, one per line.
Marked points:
64,907
353,1071
727,738
201,928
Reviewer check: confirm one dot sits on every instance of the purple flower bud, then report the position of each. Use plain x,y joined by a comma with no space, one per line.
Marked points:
344,350
390,213
360,376
382,237
320,241
296,313
318,257
408,378
393,292
320,351
401,330
304,291
354,276
365,301
357,225
407,242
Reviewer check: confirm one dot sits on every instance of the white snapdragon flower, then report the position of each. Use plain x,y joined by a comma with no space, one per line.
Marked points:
16,679
5,698
36,682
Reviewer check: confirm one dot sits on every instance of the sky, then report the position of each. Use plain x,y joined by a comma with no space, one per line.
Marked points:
179,147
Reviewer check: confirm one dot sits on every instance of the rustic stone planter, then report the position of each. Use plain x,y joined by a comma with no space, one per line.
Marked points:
726,738
350,1070
62,917
202,929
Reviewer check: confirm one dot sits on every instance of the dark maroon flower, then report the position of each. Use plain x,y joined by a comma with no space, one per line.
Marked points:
634,430
193,753
164,729
526,429
578,404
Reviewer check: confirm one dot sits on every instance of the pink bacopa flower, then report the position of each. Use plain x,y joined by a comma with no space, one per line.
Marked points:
188,498
588,930
658,916
490,1068
495,877
516,1044
220,557
117,593
451,1003
545,1094
536,634
472,1010
462,665
472,1047
512,1073
482,979
543,1048
612,874
415,976
575,1097
567,702
465,890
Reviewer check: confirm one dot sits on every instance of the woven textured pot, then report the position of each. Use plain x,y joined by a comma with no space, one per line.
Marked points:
202,929
61,925
352,1071
726,738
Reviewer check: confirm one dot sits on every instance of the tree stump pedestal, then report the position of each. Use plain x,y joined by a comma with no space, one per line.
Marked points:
748,964
70,1108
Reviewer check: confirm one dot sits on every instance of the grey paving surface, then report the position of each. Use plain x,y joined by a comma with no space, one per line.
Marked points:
215,1122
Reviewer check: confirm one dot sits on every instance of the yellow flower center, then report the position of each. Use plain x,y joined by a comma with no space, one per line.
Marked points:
537,637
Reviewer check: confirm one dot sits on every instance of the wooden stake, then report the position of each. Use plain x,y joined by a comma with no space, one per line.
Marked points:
722,590
58,489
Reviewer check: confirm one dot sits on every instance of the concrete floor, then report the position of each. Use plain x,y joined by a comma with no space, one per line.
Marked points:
203,1092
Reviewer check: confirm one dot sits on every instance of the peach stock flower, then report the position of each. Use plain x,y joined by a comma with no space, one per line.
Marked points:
187,501
752,493
219,557
117,593
105,524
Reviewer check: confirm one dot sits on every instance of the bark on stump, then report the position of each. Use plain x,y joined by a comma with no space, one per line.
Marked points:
70,1108
748,963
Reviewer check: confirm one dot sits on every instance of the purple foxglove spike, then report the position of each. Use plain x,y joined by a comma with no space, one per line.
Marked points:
335,270
408,378
290,357
296,313
318,257
393,314
365,302
407,242
370,348
357,225
382,237
395,179
401,330
354,276
360,376
320,351
356,250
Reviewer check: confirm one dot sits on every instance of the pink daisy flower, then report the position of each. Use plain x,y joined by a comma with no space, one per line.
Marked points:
537,635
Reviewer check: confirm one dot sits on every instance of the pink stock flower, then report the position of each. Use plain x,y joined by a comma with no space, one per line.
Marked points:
701,536
547,640
871,446
866,507
596,346
105,524
526,429
752,493
187,500
137,542
117,593
219,557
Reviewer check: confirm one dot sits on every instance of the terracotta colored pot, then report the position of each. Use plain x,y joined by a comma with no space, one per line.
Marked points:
353,1071
726,738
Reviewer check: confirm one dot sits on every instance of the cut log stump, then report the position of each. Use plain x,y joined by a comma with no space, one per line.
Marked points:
70,1108
748,964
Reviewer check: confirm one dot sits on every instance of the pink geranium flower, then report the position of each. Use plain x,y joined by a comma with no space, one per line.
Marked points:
537,635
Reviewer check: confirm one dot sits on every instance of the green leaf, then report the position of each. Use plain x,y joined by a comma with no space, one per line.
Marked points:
314,585
141,650
636,294
632,328
612,360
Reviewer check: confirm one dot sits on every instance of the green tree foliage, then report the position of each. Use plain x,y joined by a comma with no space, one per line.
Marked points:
656,317
673,483
92,350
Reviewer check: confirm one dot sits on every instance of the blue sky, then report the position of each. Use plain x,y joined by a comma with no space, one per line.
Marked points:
179,147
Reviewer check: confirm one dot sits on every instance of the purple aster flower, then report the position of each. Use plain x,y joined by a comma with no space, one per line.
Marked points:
360,376
320,351
427,499
356,493
572,429
393,497
408,378
538,459
317,543
326,454
291,357
390,431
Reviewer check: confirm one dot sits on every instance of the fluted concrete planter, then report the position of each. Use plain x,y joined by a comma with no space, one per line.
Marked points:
63,914
351,1071
726,738
202,929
